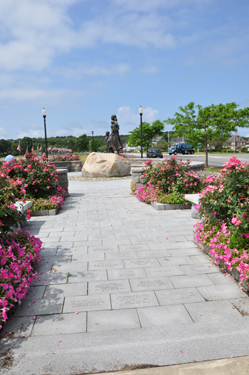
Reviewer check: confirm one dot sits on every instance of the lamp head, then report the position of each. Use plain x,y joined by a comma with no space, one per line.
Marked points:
140,110
44,112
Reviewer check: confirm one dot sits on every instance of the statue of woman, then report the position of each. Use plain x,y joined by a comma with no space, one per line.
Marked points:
115,140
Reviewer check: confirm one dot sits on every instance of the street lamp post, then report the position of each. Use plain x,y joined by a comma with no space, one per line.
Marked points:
92,139
141,130
44,114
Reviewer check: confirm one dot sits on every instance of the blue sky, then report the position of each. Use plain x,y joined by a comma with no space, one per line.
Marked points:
84,60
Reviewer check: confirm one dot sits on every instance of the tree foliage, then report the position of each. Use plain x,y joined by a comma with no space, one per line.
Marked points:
203,124
149,131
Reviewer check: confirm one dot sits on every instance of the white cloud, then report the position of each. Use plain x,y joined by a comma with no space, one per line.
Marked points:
150,69
33,33
97,121
78,71
128,120
3,133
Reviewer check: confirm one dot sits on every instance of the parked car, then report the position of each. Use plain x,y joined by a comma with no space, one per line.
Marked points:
181,148
154,153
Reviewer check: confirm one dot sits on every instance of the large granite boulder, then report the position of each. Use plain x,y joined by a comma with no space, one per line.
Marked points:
106,165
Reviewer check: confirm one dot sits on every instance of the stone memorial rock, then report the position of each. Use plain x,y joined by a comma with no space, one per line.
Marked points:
106,165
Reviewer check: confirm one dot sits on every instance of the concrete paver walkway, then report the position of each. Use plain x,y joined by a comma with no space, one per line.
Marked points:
122,286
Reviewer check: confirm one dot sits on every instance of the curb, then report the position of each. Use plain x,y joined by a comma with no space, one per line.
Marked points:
165,207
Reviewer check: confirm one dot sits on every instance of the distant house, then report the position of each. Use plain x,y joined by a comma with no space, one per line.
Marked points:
236,143
178,140
157,139
247,145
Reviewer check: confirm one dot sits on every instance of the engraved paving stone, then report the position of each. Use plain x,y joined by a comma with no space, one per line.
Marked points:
141,263
163,271
126,274
132,300
87,276
175,261
203,268
151,284
87,303
178,296
116,264
109,287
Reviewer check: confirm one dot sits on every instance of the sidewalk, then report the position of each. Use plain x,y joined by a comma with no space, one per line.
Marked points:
123,286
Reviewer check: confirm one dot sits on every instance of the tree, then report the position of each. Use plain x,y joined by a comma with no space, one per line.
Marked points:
26,142
203,124
5,146
149,132
82,143
163,146
94,145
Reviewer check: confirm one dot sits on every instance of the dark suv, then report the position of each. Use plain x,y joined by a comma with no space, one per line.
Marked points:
154,153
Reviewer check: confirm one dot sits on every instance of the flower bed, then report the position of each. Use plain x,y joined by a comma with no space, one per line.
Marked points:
69,157
33,179
18,252
168,182
224,229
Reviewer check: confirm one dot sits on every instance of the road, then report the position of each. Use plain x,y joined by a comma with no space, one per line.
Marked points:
215,161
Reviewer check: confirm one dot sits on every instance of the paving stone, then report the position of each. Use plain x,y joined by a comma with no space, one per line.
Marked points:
202,258
132,300
218,292
185,245
126,274
141,263
105,249
35,292
112,320
87,303
69,267
206,311
47,279
178,296
158,283
184,252
39,307
98,265
134,247
121,255
163,271
242,305
165,261
66,290
88,276
202,268
17,327
72,250
167,245
77,257
221,278
163,316
152,254
47,251
98,287
60,324
187,281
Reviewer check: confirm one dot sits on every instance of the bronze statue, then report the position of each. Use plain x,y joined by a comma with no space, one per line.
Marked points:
113,141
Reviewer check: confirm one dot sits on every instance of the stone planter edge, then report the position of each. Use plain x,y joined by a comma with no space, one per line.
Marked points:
45,212
164,207
234,273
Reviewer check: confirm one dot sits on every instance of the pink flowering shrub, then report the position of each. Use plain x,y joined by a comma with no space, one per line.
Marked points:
49,203
18,252
33,177
168,177
225,217
69,157
9,216
228,193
